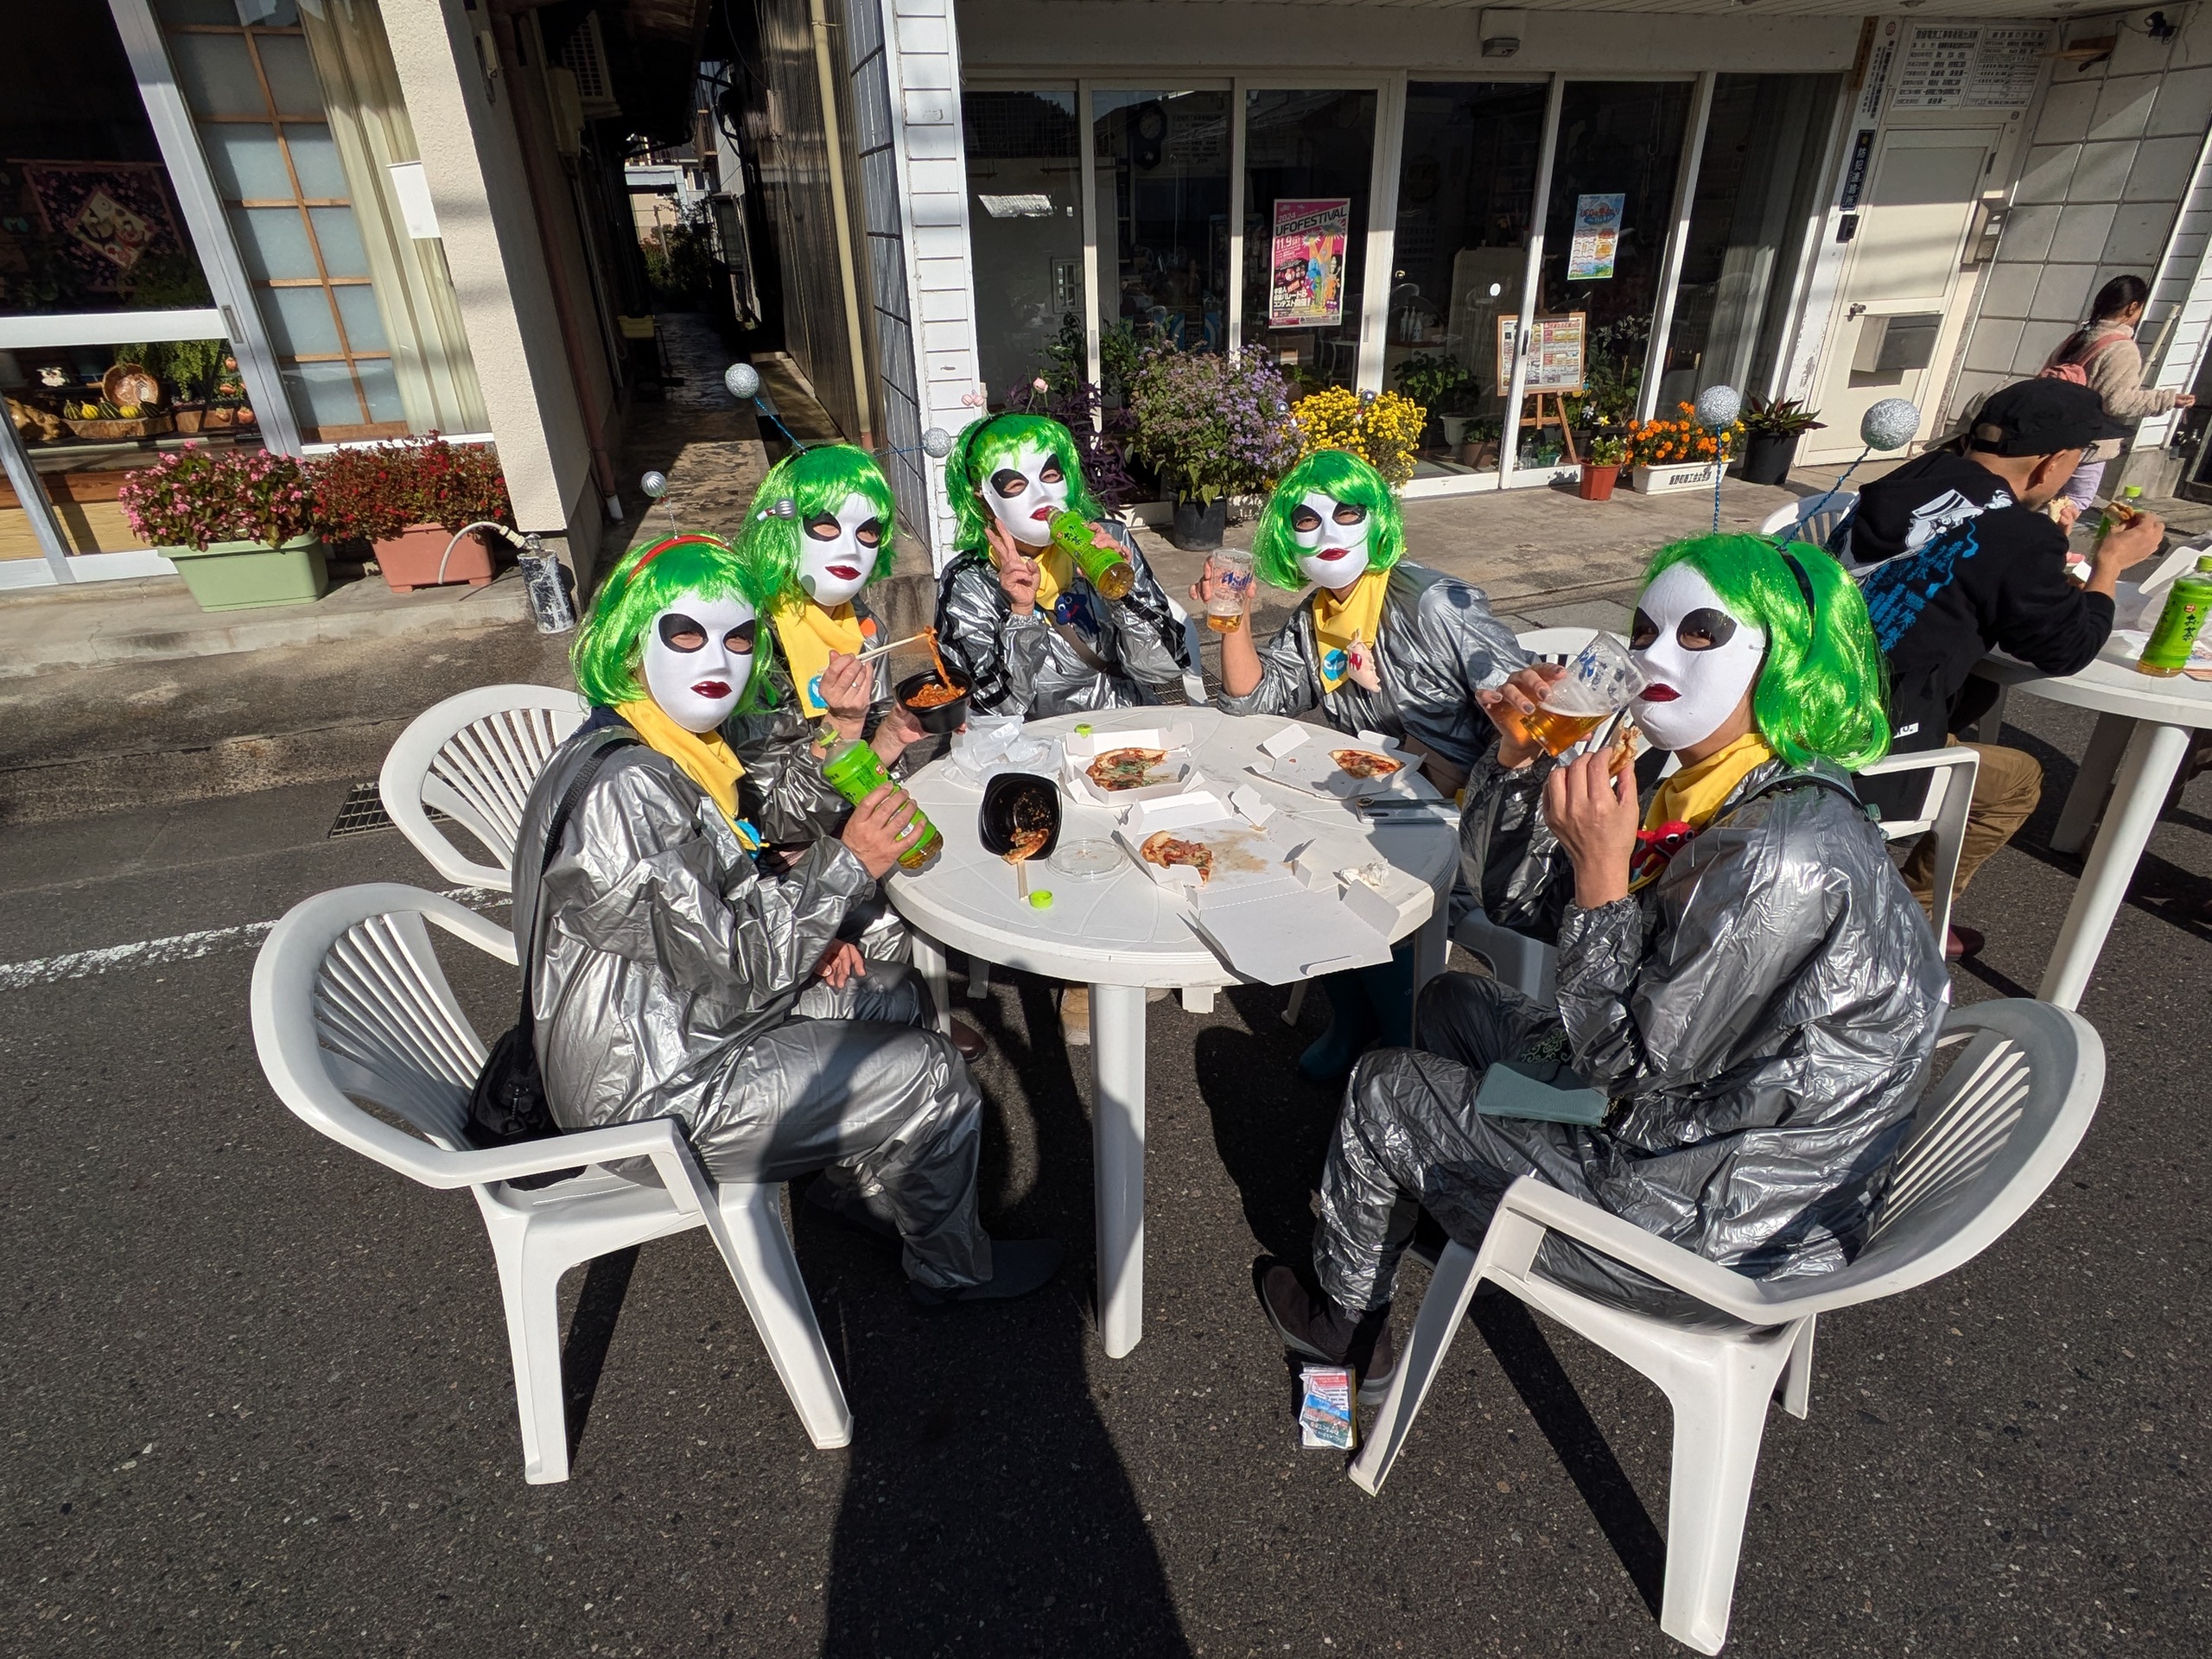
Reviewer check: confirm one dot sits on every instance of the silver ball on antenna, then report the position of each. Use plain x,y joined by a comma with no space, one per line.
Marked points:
1717,408
1890,424
783,507
937,443
742,379
654,484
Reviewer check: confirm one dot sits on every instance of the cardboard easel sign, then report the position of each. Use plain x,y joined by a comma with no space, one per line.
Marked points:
1558,351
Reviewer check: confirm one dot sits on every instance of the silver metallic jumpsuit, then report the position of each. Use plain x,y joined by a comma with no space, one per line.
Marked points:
1032,665
672,979
1761,1017
1437,642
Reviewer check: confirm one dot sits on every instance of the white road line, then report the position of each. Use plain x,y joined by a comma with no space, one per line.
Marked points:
178,947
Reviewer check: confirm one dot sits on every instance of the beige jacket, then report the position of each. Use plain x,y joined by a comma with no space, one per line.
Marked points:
2114,367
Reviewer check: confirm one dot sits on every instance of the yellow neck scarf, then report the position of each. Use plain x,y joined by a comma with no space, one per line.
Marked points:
809,634
1687,802
1338,620
706,760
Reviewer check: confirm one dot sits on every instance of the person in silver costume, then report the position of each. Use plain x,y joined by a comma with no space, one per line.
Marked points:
1746,988
1015,616
1383,645
673,977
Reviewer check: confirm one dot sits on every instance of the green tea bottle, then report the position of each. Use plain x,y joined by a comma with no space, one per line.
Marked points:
2118,511
1103,565
2188,601
856,772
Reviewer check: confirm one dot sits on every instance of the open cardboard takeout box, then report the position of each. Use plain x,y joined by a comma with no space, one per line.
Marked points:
1176,774
1305,758
1265,910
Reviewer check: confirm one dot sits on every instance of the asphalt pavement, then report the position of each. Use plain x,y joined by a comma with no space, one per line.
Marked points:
259,1395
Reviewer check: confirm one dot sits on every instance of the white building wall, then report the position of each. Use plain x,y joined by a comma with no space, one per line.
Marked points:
2115,149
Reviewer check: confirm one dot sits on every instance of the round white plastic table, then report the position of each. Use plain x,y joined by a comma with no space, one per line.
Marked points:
2143,732
1121,934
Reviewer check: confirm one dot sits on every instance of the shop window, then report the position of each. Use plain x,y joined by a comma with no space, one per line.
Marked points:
1309,160
1758,183
1466,192
1025,216
1161,161
1613,176
254,96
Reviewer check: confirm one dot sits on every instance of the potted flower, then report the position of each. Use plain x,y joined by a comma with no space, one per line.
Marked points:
1772,429
1212,427
1677,455
1602,468
407,500
1439,383
240,526
1383,428
1479,451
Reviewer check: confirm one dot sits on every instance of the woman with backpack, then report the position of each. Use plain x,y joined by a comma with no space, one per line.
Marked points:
2102,355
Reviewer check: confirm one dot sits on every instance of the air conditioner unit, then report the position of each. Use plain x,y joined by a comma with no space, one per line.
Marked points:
585,57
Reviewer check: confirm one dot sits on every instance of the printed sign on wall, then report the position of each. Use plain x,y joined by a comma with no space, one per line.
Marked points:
1596,238
1305,289
1969,66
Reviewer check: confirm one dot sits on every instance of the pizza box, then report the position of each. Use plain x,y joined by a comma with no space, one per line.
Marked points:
1314,926
1247,858
1312,767
1088,746
1176,777
1176,812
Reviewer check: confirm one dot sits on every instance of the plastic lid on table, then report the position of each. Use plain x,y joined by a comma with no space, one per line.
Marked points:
1084,860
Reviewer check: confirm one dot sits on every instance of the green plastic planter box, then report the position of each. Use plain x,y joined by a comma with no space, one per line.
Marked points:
242,576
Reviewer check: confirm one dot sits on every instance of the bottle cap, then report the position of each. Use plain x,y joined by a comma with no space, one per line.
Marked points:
2204,564
2132,492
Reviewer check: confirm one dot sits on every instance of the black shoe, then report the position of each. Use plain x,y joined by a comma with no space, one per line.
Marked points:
1964,942
849,1209
967,1042
1018,1266
1314,1328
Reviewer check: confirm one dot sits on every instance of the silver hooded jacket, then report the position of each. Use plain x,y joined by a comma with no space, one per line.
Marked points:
1439,642
783,792
1762,1016
1026,666
659,948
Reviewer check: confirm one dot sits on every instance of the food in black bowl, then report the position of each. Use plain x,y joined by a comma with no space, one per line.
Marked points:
940,705
1020,815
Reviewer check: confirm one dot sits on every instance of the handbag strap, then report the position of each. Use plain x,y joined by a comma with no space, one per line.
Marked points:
571,799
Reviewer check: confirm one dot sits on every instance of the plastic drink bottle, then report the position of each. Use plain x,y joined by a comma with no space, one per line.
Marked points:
2188,601
1103,565
856,772
2118,511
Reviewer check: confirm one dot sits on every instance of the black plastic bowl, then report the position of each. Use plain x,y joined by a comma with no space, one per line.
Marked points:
946,716
1002,795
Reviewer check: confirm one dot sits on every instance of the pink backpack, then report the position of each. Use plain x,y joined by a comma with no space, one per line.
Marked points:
2074,369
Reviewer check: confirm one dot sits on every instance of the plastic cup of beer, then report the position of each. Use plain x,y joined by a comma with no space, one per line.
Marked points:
1229,571
1601,681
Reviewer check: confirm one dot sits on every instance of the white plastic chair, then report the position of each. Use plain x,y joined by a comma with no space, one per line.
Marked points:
1951,774
474,756
1987,1140
349,1003
1194,680
1802,523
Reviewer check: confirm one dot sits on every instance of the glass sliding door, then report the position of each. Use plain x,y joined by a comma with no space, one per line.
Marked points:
1159,163
1466,192
1025,236
1757,184
1618,156
1309,165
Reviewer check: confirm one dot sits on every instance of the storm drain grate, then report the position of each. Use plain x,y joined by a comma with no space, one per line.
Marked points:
363,810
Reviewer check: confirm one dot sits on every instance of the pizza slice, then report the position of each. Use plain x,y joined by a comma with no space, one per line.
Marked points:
1168,851
1119,769
1365,763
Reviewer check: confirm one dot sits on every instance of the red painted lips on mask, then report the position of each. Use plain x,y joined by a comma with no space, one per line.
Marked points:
712,688
1657,693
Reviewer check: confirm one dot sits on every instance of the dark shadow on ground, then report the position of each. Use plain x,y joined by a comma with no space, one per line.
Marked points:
1271,1125
591,1332
986,1511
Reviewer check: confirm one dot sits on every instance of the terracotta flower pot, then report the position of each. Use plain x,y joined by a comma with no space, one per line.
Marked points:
410,559
1597,482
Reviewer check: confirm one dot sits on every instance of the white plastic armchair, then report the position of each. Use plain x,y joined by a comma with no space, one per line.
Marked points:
1194,680
473,756
1810,518
1951,773
350,1005
1987,1138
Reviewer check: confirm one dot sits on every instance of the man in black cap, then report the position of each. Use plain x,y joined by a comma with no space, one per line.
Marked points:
1957,558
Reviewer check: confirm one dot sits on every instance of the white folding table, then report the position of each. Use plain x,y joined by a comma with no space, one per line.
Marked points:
1121,934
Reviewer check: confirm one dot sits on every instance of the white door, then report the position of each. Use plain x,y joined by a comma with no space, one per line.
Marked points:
1893,328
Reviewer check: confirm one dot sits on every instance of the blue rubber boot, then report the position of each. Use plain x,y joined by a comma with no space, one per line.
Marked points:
1390,988
1351,1030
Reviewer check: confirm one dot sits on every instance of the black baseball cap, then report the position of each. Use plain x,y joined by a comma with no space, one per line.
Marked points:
2041,417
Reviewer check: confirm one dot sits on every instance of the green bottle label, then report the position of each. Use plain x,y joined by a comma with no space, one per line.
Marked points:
1102,563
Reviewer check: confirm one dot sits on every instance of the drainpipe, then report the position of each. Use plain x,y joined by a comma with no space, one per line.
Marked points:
531,137
840,212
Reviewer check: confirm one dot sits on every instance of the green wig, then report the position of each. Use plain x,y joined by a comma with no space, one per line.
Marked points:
1821,691
815,481
986,446
609,650
1342,476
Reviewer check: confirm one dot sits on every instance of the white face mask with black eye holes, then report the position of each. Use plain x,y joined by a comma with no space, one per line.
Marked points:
1333,539
698,655
837,554
1701,658
1025,493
